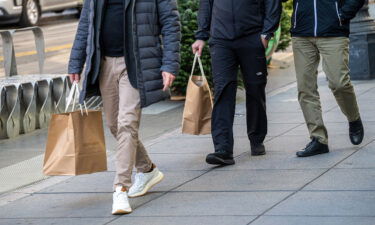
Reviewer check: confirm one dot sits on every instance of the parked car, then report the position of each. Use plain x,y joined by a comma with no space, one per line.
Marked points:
28,12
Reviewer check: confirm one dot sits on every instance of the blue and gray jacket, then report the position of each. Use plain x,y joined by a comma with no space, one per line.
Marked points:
323,18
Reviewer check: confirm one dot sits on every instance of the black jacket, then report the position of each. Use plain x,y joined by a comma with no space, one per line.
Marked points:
152,44
323,18
232,19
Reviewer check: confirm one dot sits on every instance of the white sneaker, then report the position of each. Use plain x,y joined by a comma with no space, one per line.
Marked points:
120,202
144,182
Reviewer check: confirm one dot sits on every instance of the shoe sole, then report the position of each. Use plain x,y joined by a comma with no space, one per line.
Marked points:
219,161
258,153
122,212
303,156
150,185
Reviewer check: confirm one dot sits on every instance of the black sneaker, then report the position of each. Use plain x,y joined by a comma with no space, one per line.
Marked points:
313,148
356,132
220,158
258,149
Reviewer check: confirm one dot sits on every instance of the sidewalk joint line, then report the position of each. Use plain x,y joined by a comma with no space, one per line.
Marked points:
300,189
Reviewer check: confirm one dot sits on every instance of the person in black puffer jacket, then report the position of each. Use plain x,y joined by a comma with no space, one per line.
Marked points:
320,28
131,49
239,31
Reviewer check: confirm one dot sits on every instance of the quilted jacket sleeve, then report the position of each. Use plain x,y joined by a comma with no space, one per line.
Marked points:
169,20
350,8
78,53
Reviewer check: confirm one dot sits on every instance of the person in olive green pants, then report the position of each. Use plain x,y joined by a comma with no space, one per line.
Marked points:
321,30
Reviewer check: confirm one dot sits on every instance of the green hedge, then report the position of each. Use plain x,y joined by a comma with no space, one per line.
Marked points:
189,10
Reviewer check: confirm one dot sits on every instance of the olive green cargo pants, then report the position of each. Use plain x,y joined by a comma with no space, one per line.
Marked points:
335,54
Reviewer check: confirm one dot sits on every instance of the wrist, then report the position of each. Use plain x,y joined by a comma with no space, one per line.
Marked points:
266,36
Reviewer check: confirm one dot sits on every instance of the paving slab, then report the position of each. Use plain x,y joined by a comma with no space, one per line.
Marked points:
198,145
252,180
181,162
365,158
184,220
273,129
327,203
69,205
279,160
313,220
211,204
171,180
55,221
285,117
338,128
345,180
293,143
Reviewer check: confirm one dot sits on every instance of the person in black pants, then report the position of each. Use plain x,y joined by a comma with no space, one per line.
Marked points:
239,31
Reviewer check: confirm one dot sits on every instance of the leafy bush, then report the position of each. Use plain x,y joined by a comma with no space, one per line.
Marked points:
285,25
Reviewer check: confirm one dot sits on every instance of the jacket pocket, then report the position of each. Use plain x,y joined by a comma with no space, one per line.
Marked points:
295,16
338,13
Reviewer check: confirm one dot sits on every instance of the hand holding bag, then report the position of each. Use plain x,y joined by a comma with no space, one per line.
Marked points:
198,104
75,143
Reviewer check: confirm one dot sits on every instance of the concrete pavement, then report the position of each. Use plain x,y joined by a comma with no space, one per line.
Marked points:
275,189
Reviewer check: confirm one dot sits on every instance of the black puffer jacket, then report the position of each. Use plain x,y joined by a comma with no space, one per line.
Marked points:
323,18
232,19
145,55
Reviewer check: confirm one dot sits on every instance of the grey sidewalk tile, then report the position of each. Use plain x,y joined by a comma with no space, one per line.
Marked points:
54,221
284,107
103,182
273,129
338,128
66,205
330,203
293,143
365,158
181,162
287,160
184,220
313,220
195,145
286,117
345,179
211,204
252,180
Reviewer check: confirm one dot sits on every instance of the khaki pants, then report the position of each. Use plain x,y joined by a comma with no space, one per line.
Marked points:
121,106
335,54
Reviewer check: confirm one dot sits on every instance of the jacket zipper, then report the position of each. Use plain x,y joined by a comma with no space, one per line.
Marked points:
338,14
295,16
134,43
315,20
234,20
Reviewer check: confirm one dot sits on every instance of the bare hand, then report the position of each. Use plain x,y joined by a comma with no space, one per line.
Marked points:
198,47
265,42
168,79
75,77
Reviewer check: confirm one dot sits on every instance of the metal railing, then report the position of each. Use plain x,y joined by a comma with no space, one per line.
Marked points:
27,102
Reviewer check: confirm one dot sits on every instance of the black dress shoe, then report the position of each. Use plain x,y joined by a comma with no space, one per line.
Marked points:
313,148
220,158
356,132
258,149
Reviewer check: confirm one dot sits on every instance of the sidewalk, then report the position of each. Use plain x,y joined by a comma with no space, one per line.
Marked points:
276,189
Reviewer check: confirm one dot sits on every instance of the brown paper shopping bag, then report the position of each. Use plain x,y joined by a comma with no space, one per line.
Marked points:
75,143
198,104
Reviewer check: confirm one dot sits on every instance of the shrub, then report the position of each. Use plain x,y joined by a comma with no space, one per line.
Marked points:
285,25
